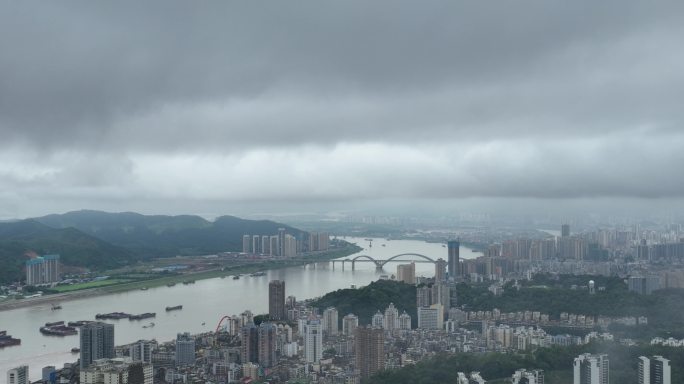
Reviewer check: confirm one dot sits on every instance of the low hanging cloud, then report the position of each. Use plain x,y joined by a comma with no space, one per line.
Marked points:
105,103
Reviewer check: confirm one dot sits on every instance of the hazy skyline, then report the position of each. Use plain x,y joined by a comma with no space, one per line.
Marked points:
169,107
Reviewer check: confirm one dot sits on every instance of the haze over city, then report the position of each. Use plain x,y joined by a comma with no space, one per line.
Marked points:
310,107
354,192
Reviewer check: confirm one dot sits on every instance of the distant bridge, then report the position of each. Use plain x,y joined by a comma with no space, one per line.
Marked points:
379,263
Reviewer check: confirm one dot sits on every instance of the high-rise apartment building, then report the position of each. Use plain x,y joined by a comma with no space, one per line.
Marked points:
405,321
42,270
330,322
249,347
643,285
423,296
431,317
391,319
276,300
406,273
48,374
440,270
378,320
323,241
370,351
289,247
141,350
281,241
318,241
266,245
453,248
441,294
267,345
96,342
654,370
313,340
591,369
349,324
548,249
565,230
256,244
274,248
185,349
18,375
246,244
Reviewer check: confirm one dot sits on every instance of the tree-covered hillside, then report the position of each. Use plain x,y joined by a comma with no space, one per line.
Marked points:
162,236
365,301
75,248
556,363
100,240
663,308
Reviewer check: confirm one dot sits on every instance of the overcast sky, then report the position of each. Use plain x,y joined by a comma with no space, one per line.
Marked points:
173,107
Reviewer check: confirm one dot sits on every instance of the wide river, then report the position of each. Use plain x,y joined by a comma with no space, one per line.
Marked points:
204,303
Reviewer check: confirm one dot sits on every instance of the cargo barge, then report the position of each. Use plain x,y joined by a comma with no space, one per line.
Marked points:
142,316
112,316
7,340
58,328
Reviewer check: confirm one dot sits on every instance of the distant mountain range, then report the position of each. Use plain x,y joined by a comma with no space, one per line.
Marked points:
97,240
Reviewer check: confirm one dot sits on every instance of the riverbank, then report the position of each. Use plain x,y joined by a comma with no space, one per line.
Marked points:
180,278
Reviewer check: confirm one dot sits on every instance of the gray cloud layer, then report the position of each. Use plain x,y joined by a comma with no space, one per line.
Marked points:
253,101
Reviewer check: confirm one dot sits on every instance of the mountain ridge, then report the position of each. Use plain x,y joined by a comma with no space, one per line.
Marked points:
101,240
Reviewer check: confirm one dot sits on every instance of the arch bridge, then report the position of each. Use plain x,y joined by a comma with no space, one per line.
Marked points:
379,263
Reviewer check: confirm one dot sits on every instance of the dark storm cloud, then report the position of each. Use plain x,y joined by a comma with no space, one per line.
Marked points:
530,99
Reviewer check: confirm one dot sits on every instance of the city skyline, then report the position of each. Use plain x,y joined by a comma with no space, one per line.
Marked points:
385,192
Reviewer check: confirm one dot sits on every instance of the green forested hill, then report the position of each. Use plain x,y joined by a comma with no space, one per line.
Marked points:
556,363
101,240
161,236
75,248
365,301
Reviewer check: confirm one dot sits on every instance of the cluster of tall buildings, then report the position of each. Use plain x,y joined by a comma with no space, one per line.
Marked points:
285,244
42,270
98,361
591,369
523,376
566,247
474,378
117,371
594,369
391,319
597,245
654,370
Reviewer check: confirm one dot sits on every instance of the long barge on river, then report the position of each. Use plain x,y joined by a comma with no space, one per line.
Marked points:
142,316
58,328
124,315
